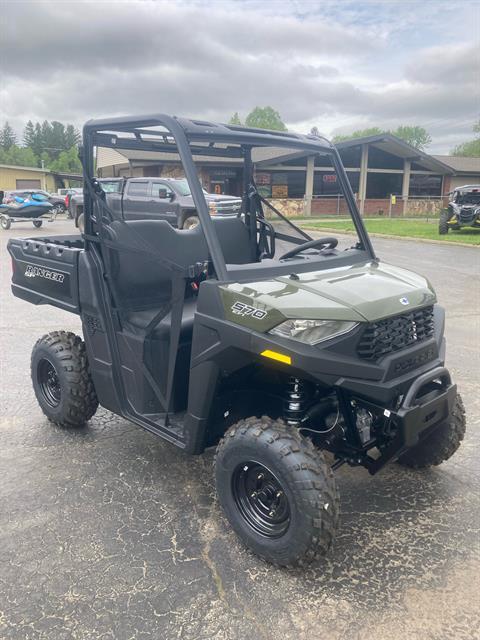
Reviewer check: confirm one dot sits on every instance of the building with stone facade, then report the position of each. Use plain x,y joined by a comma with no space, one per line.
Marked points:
387,175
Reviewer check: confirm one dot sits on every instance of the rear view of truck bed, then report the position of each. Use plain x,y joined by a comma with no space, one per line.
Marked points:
45,270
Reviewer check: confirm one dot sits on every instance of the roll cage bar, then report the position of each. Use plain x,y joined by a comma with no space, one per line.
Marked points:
185,137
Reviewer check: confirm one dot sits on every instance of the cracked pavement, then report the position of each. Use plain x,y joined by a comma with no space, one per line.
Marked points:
109,532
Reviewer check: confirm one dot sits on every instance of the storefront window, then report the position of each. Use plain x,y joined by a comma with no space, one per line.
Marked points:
382,185
425,185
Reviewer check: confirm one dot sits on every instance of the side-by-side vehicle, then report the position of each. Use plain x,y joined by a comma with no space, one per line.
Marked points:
291,354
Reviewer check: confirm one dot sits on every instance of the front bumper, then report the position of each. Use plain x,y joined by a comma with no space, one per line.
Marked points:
428,402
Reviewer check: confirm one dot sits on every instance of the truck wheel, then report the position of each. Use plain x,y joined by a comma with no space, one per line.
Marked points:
61,379
37,223
277,491
190,223
441,444
5,223
443,224
81,223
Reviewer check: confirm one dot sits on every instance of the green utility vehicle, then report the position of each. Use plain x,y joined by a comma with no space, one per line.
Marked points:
292,355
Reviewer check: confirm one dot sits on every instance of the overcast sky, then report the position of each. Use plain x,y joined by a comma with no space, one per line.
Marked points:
339,65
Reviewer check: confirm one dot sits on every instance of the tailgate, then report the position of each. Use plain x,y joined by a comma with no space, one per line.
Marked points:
46,272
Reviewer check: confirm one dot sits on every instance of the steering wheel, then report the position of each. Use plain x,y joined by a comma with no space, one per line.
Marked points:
327,243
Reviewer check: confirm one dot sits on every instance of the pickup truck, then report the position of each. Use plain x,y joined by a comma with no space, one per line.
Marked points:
155,198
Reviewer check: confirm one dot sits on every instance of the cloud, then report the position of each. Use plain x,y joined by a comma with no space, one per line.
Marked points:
72,61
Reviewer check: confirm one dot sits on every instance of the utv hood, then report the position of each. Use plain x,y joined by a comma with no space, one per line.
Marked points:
362,293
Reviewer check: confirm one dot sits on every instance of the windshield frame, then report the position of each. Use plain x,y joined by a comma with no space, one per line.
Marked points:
187,137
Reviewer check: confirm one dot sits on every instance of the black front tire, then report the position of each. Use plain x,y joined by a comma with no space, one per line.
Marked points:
288,512
441,444
61,379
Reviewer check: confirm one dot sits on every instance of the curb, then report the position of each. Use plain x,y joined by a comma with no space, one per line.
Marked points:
392,237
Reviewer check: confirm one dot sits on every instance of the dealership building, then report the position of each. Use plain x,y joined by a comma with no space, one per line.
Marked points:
387,175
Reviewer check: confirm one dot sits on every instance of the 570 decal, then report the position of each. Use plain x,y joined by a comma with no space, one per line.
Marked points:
241,309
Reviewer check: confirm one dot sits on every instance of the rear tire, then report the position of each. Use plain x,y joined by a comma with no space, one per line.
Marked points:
441,444
5,223
277,491
61,379
37,223
443,223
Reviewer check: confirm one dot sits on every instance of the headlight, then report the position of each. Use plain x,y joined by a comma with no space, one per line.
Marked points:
312,331
213,209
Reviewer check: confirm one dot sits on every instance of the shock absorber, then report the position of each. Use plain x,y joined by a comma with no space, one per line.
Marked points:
297,400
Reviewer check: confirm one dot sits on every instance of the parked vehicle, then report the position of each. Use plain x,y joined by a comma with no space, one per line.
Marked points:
32,207
63,192
243,333
155,199
70,193
463,210
57,201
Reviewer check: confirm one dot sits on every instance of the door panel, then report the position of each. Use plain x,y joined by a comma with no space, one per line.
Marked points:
165,208
136,204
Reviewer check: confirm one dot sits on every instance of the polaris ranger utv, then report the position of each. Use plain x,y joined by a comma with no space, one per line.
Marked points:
292,355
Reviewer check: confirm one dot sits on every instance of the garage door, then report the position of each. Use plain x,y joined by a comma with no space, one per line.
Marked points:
28,184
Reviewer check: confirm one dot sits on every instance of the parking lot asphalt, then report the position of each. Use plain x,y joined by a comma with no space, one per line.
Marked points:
109,532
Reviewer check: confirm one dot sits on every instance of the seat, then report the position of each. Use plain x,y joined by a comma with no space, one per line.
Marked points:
234,239
137,321
143,283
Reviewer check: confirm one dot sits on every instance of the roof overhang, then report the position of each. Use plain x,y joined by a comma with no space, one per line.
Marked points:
397,147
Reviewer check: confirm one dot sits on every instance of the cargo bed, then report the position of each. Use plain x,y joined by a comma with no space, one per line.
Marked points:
45,270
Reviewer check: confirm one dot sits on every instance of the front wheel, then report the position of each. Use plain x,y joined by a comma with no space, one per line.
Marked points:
61,379
441,444
37,223
190,223
277,491
443,224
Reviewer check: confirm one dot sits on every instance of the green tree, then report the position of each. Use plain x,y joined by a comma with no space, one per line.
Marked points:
469,149
29,134
235,119
67,162
359,133
417,136
265,118
7,136
72,137
18,156
37,143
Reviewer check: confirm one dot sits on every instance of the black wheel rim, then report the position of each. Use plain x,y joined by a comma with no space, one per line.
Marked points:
261,499
49,383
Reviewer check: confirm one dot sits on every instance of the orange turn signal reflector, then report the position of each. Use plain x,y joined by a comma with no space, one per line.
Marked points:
274,355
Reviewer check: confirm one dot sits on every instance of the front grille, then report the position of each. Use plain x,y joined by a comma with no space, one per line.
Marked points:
466,215
393,334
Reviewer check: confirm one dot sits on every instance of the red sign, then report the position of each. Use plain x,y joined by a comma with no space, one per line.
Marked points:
329,177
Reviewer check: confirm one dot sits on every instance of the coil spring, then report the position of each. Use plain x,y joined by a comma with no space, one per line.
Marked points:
297,400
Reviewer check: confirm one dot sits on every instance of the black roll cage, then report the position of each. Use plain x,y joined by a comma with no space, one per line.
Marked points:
185,137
